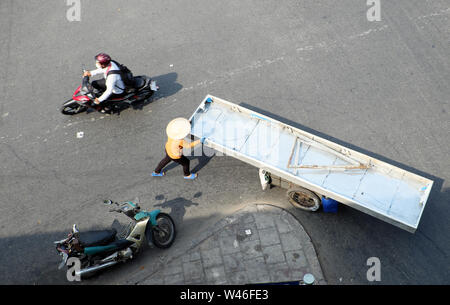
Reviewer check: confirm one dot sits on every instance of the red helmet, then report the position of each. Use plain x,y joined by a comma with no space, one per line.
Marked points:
103,59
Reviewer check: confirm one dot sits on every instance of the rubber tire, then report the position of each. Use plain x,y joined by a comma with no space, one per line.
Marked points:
312,203
65,105
173,233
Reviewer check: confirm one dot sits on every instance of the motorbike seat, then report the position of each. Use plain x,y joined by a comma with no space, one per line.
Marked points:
139,82
97,238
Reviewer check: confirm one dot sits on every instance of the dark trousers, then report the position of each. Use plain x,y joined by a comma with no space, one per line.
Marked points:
183,161
101,86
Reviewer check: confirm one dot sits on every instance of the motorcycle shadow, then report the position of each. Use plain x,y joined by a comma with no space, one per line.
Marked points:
168,86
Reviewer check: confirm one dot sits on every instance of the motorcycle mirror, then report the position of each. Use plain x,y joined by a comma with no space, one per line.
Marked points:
107,202
75,229
137,202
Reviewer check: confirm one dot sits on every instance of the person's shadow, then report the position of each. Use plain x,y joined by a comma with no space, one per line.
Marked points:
168,86
178,206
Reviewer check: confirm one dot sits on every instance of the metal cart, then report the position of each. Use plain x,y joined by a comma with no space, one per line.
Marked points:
310,167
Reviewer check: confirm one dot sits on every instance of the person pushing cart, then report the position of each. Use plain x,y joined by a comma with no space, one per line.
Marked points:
176,131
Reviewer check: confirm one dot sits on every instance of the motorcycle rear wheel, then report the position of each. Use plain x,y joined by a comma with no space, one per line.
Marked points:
165,232
72,108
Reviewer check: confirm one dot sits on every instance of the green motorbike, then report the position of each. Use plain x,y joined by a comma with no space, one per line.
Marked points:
100,249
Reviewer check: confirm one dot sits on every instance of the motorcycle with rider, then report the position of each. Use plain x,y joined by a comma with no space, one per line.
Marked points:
117,88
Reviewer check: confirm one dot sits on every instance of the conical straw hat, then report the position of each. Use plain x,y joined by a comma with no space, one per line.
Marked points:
178,128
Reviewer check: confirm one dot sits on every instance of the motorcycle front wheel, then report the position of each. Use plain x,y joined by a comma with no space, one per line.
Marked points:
71,108
164,232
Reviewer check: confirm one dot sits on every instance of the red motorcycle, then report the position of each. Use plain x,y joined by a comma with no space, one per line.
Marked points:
83,98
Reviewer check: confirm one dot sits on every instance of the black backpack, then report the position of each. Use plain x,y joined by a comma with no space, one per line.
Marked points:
125,74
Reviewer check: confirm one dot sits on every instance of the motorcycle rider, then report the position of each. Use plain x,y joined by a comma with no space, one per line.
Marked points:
111,85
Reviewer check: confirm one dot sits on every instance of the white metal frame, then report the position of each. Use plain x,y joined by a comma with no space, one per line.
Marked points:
357,160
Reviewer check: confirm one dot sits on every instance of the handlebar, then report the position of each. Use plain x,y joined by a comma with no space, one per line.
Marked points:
122,206
110,202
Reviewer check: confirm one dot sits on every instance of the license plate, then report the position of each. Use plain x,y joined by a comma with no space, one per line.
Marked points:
153,85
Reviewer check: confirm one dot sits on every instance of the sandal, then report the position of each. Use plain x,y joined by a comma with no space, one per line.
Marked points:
154,174
191,177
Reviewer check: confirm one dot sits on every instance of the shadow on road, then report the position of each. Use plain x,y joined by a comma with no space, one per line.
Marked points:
167,86
178,206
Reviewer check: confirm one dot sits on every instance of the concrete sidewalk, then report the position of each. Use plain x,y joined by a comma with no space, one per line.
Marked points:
258,244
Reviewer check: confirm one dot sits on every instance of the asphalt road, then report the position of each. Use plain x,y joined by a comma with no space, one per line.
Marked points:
381,88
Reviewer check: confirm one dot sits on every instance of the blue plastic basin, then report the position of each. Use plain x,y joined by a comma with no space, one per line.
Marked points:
329,205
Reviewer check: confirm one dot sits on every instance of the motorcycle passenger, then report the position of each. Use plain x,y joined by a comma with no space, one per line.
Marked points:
111,85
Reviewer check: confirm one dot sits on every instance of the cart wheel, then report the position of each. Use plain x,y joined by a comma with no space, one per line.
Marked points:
303,199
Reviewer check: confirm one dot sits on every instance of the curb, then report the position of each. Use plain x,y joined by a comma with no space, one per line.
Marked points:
256,210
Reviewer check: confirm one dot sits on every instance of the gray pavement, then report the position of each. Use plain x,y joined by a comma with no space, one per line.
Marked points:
258,244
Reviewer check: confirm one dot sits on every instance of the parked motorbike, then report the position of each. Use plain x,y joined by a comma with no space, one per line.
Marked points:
83,97
98,250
